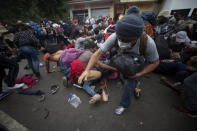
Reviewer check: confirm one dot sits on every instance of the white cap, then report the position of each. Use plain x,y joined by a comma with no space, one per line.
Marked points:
181,37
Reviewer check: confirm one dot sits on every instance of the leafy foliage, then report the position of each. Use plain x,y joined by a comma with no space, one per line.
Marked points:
36,10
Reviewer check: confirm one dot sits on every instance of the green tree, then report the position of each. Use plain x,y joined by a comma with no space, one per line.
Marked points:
25,10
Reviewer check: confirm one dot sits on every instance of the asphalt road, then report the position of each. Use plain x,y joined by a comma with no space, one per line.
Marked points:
153,112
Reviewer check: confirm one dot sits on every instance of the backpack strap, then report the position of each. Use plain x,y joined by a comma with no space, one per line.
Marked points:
143,43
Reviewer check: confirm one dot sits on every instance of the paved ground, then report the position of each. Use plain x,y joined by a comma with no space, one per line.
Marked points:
153,112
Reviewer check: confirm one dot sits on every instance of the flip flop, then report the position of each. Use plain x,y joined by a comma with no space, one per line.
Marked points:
41,98
54,89
95,98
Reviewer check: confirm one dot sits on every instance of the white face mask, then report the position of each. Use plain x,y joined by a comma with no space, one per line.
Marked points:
124,45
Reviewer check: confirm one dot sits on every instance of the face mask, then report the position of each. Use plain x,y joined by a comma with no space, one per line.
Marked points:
124,45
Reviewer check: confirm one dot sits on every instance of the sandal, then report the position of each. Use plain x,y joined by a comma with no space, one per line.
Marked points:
95,98
41,98
137,94
54,89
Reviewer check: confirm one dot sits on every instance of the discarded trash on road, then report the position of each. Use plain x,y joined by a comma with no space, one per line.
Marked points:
74,100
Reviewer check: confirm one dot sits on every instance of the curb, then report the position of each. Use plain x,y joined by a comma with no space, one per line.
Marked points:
10,123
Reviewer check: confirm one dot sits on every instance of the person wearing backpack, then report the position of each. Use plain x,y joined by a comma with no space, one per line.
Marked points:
128,32
27,42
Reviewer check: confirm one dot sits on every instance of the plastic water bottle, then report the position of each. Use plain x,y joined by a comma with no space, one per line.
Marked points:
74,100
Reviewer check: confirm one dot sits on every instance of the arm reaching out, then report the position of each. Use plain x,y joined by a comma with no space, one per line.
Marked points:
93,60
97,55
146,70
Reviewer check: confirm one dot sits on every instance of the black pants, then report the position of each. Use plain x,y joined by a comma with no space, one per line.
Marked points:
12,66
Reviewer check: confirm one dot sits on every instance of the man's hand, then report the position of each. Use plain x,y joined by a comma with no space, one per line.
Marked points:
135,76
83,76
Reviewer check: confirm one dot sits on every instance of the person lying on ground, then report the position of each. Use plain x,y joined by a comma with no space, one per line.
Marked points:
52,53
76,68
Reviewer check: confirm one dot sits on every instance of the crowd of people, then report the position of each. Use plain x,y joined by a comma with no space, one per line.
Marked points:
94,50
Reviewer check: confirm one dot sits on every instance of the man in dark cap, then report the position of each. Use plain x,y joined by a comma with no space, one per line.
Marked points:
128,35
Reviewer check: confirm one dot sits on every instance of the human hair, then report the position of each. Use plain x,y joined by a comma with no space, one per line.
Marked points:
96,31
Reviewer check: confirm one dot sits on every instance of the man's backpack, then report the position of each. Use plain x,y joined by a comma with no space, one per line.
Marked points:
130,63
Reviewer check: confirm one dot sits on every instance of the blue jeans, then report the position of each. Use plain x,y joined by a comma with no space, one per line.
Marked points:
129,86
88,89
170,67
30,53
64,69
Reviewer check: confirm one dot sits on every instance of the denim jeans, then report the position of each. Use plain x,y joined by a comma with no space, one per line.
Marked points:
87,88
64,69
30,53
129,86
170,67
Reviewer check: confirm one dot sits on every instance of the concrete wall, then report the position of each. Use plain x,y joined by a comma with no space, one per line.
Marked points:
144,6
111,13
88,7
178,4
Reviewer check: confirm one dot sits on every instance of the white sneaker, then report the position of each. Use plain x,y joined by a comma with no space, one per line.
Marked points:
119,110
16,86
